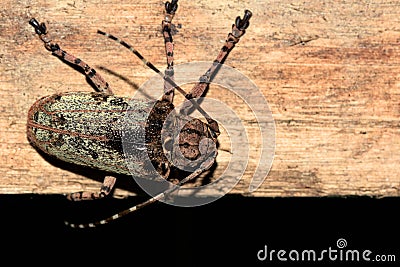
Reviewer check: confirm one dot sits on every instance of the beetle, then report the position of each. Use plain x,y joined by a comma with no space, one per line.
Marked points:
91,128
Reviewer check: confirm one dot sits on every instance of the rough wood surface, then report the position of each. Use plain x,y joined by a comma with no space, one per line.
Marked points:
328,69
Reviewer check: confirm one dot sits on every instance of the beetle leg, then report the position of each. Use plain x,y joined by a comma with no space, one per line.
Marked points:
169,84
105,189
238,30
99,83
170,9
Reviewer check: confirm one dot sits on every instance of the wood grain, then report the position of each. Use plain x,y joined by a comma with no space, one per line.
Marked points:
328,69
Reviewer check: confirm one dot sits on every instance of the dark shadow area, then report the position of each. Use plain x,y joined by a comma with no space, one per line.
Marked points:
124,182
231,230
131,84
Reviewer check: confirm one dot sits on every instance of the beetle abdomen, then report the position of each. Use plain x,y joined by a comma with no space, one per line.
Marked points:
87,129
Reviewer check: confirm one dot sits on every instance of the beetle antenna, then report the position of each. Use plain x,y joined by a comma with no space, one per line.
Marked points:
152,200
166,78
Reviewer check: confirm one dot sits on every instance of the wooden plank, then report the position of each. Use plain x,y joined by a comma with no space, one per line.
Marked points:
328,69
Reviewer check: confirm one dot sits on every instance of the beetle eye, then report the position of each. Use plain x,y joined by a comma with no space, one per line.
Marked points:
185,145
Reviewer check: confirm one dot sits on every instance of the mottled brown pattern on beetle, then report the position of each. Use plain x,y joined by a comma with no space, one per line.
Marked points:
153,128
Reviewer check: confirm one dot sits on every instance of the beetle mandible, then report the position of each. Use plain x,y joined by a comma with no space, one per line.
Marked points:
87,128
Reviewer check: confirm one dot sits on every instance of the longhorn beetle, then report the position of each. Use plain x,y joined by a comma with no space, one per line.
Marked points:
85,128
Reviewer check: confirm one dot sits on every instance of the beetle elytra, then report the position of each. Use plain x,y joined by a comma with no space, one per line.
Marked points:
87,128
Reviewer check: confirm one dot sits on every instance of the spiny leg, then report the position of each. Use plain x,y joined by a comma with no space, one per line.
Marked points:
204,166
170,9
101,85
95,78
105,189
238,30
